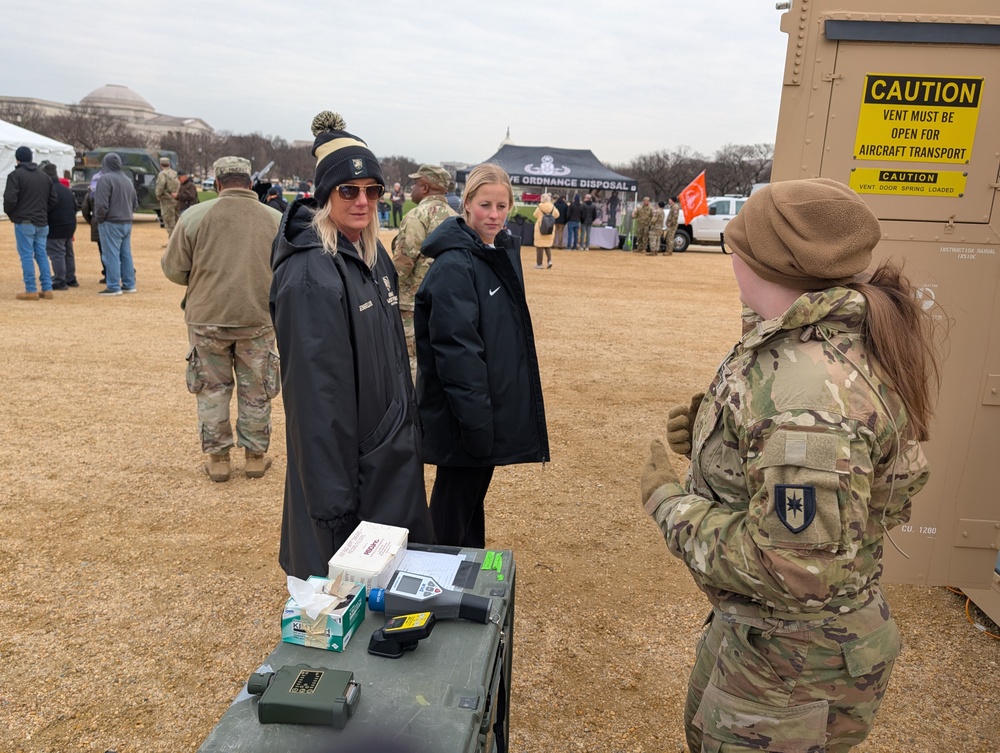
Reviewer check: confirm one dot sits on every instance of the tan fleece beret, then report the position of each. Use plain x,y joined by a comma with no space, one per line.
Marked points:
805,234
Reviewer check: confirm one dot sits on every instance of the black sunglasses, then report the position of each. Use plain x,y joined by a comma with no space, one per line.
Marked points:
350,192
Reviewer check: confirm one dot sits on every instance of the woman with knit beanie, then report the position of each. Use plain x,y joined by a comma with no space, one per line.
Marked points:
350,413
805,452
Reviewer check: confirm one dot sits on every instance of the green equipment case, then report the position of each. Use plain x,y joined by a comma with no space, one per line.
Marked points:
449,695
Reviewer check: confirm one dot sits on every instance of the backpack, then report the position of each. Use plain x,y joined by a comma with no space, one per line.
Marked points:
547,224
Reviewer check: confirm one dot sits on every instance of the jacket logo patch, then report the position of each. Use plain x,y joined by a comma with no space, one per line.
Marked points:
392,299
358,164
364,306
795,505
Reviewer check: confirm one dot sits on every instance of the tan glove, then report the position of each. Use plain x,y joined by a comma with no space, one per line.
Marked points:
657,471
680,420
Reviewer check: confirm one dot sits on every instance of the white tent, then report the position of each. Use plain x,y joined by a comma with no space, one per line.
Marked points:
63,156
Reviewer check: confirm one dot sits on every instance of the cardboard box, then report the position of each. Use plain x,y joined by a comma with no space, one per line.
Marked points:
370,555
333,627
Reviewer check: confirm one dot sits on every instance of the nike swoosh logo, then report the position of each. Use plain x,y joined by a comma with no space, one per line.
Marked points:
494,292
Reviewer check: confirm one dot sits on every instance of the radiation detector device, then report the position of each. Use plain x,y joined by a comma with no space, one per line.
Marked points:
409,592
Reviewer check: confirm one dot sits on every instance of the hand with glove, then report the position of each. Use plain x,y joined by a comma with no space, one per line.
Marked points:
680,422
657,471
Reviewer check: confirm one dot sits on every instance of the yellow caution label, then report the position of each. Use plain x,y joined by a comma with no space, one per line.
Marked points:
414,620
947,184
918,118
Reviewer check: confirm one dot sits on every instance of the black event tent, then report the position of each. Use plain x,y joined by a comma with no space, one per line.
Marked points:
550,167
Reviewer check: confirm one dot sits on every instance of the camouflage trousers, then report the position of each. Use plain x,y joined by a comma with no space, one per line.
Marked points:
795,687
169,211
411,347
655,239
641,237
216,354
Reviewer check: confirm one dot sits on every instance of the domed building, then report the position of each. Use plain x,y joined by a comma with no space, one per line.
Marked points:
124,103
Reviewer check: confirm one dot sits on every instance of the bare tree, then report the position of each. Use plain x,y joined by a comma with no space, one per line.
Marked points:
736,167
664,174
87,127
396,168
25,116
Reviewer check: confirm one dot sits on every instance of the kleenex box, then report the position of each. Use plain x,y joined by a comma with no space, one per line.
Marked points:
319,620
370,555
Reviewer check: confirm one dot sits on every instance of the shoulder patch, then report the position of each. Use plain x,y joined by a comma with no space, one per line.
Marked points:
795,506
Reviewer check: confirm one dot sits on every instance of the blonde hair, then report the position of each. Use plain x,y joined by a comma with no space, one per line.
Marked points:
326,229
486,174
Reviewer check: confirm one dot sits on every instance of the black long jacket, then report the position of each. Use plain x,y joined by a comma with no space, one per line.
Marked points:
351,420
478,387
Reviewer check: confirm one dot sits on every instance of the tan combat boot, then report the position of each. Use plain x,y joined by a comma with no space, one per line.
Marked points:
27,296
256,465
218,467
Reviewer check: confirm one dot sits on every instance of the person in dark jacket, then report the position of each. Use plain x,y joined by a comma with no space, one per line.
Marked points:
187,194
275,200
588,218
27,199
87,211
559,234
478,387
62,228
351,420
574,216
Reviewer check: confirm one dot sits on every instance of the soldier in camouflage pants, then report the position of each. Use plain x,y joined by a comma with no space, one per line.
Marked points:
432,209
643,216
656,228
167,186
802,457
216,353
673,215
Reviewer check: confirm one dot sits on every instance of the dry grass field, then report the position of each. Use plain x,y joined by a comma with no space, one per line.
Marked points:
137,595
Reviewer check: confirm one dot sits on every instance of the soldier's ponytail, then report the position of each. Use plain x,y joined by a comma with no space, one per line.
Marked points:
899,335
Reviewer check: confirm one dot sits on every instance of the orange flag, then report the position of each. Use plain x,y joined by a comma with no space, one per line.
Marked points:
694,198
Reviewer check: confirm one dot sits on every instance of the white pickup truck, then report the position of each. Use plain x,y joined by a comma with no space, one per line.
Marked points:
707,229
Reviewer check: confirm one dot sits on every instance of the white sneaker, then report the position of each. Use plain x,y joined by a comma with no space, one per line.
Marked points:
129,290
539,266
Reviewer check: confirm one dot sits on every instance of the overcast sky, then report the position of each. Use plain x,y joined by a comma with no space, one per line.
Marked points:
434,81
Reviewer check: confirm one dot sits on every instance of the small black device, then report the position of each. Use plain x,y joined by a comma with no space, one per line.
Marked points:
300,694
401,634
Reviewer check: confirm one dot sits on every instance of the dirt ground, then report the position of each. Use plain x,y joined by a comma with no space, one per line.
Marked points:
137,595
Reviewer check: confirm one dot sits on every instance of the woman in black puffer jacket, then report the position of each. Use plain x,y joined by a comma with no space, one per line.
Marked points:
478,388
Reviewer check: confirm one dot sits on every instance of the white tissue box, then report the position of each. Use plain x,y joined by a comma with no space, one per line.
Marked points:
370,555
332,628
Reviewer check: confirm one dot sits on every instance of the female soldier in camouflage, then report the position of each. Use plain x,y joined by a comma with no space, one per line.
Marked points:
804,453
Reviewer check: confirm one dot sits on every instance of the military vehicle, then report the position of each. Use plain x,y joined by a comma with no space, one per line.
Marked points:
142,165
897,98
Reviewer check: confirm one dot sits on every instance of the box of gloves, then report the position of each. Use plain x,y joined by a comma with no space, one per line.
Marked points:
371,554
322,613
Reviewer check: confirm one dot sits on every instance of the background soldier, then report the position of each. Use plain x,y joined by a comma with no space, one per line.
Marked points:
656,228
670,231
432,209
222,253
643,216
167,187
187,194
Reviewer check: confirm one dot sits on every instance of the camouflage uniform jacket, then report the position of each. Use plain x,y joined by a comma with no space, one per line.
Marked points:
792,465
672,217
656,223
644,215
167,183
413,231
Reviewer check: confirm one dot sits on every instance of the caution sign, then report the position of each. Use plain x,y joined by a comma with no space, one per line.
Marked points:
918,118
943,184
